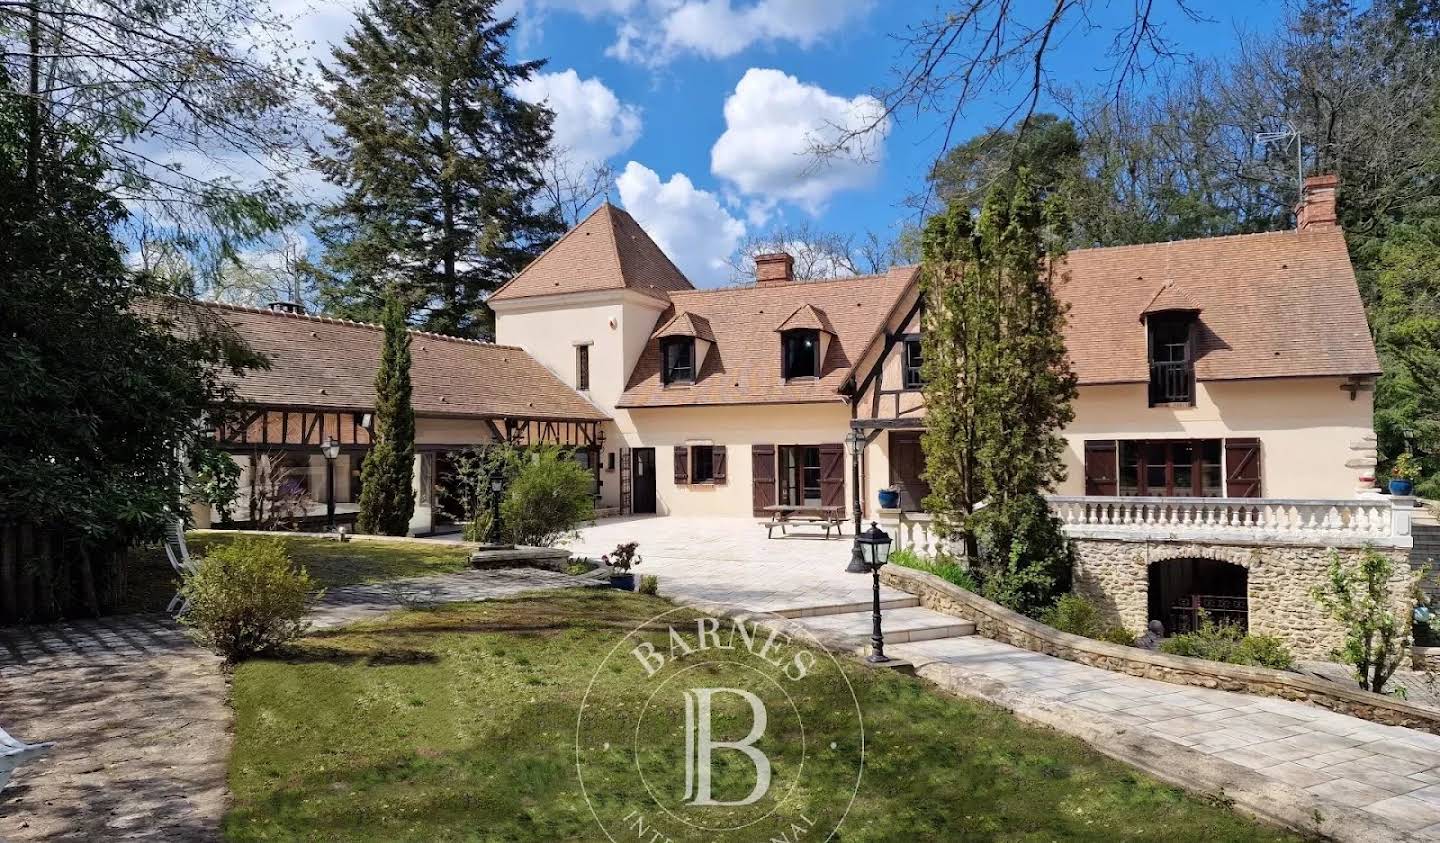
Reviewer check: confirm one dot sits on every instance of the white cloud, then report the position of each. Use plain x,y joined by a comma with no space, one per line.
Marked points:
773,122
689,224
719,29
591,123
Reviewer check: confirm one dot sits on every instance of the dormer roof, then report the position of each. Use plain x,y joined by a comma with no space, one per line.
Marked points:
608,250
1171,298
807,317
686,324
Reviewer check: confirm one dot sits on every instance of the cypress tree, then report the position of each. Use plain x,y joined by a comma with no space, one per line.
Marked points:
998,386
387,496
438,163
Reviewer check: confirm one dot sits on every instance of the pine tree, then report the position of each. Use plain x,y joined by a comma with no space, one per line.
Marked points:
998,386
387,498
438,162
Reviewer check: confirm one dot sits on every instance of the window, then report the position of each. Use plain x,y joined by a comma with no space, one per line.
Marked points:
677,360
800,354
1171,468
582,367
702,464
911,364
1172,366
800,475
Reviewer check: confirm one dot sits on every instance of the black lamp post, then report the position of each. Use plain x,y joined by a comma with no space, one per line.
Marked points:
331,450
855,444
874,545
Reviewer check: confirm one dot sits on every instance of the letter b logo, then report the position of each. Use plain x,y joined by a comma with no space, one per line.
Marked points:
699,746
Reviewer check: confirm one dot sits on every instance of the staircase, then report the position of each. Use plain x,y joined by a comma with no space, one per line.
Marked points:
903,620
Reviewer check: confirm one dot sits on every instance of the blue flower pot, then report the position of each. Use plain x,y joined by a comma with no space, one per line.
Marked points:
889,499
624,582
1402,487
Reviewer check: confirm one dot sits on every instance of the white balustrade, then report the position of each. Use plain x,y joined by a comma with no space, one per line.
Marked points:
1379,521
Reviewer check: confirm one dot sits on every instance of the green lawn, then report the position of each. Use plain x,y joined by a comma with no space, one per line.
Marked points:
152,582
458,724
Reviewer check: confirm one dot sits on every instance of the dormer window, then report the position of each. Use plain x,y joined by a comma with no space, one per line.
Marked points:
912,364
800,354
677,356
1172,358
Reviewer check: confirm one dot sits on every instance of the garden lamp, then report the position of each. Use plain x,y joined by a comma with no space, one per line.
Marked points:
855,445
874,547
331,450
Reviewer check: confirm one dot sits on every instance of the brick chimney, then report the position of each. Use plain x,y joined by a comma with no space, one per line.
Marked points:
775,268
1316,211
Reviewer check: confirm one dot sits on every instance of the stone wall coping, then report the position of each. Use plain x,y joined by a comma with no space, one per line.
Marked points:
1229,538
1020,631
349,537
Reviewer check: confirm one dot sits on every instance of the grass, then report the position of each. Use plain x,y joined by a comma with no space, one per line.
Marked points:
458,724
331,563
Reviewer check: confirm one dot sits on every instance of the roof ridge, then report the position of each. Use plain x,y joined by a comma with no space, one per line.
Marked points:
620,254
1184,240
810,282
340,320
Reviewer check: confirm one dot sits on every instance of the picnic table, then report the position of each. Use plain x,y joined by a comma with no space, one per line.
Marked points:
786,515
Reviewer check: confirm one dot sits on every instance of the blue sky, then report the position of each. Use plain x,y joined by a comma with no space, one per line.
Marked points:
703,106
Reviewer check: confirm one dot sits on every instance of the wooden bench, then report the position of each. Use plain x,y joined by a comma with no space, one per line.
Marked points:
783,516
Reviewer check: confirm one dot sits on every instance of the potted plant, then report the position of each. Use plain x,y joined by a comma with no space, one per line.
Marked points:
1403,474
620,561
889,498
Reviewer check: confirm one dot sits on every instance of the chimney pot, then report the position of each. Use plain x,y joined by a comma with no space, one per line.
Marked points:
1316,211
774,268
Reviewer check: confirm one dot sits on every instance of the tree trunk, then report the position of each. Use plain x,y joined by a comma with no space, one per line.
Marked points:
32,107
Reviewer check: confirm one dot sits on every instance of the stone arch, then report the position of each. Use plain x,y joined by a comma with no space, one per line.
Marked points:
1182,586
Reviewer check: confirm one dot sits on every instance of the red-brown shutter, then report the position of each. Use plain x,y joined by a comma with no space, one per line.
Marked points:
718,461
1242,468
832,475
762,473
1100,467
682,465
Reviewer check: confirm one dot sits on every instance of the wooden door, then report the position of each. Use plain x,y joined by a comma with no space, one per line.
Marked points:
1100,467
642,483
907,469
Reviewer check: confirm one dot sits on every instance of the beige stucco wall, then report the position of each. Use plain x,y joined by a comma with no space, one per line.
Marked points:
737,428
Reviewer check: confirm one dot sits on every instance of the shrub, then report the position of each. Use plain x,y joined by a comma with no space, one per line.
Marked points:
247,598
549,499
942,566
624,557
1377,630
1228,643
1074,614
649,584
1025,557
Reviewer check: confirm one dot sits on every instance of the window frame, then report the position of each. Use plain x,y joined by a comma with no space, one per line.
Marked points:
697,478
582,366
667,376
1176,323
800,335
910,376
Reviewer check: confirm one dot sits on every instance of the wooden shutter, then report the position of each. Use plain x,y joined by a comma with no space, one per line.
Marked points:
718,461
682,465
1101,468
762,473
832,475
1242,468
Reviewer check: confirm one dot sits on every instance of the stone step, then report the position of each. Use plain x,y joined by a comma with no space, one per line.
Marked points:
900,626
902,601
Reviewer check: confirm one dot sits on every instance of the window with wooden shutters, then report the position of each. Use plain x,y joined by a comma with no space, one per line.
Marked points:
762,474
717,461
682,465
832,475
1100,467
702,464
1242,468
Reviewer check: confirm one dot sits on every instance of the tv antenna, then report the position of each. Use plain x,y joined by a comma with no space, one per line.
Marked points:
1283,138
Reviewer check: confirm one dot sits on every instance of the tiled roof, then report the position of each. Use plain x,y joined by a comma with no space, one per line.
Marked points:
807,317
743,367
687,324
320,362
608,250
1283,304
1172,298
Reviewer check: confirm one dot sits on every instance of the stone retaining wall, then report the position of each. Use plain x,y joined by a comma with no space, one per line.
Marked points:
995,621
1114,574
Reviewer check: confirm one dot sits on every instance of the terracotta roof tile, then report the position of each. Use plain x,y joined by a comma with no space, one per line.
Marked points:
1283,304
743,367
330,363
807,317
686,324
608,250
1172,298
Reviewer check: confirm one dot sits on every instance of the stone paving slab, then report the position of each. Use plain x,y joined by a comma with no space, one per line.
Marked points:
1381,772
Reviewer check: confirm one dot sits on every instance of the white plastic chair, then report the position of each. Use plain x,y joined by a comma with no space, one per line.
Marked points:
14,752
179,555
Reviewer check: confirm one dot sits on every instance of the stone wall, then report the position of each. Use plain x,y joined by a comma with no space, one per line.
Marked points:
995,621
1115,575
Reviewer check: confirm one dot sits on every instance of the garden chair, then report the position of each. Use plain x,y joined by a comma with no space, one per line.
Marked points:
14,752
181,560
